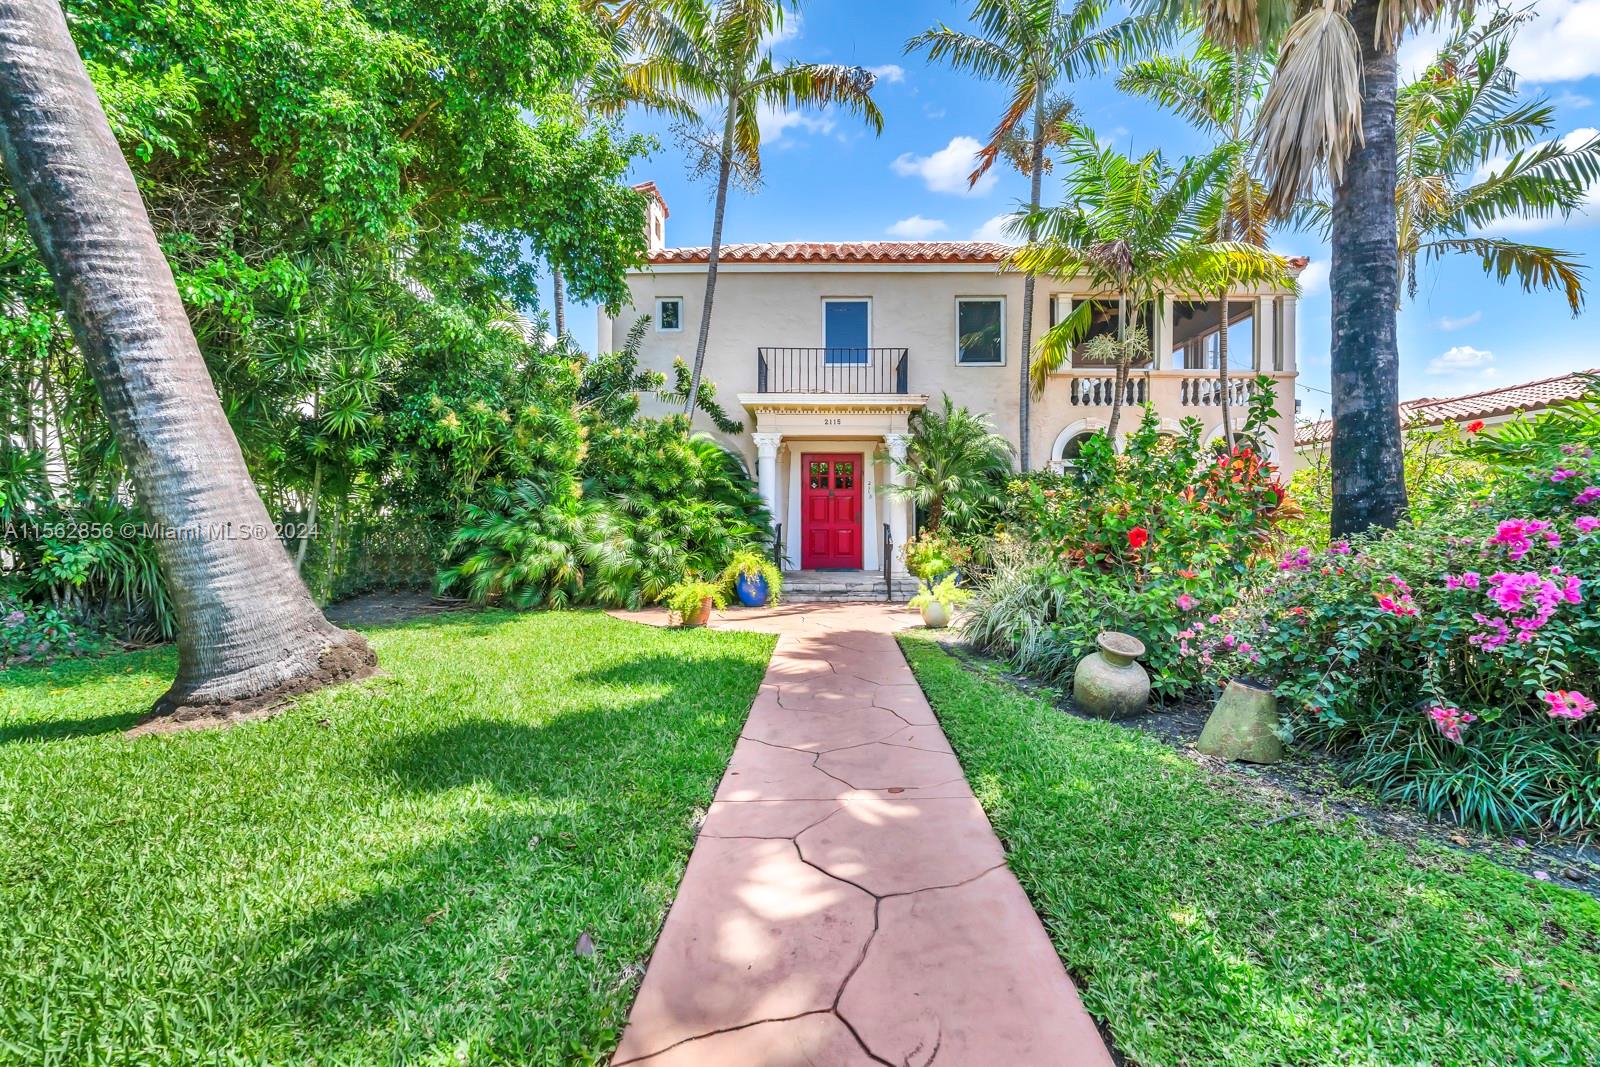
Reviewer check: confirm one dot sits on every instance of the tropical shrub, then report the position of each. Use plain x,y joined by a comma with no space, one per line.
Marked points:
33,634
955,469
1145,542
930,554
1453,663
608,512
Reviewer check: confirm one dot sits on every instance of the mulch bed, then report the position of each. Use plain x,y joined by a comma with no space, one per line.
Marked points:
1308,780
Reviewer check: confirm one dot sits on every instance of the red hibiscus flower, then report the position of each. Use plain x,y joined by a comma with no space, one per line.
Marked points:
1138,537
1187,574
1475,426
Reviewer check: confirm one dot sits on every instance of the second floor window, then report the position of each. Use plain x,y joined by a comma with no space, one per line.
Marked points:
669,314
980,331
846,330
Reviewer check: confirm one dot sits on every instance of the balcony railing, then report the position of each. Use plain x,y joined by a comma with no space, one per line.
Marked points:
1207,392
832,370
1098,390
1164,388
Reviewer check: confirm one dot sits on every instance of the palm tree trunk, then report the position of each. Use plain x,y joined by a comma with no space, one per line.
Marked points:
1121,378
1222,375
724,172
311,522
1368,480
559,284
1025,359
249,633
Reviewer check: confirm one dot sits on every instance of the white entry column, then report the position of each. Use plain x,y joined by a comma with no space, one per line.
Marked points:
767,470
899,507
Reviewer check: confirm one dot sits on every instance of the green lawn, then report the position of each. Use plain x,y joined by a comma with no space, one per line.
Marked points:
1201,935
395,871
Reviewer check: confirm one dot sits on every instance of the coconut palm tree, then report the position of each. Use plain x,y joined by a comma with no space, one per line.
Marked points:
1217,90
1138,228
247,628
1329,115
1034,47
1472,156
955,468
716,55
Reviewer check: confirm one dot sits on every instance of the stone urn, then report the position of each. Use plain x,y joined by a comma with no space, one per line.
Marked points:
935,615
1110,684
1243,726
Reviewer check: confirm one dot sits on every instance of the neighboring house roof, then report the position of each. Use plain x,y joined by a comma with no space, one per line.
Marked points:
859,252
1489,404
649,189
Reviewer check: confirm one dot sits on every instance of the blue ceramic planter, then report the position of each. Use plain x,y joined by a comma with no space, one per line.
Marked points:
752,591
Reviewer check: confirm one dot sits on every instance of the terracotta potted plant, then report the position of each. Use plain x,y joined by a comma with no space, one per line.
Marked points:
691,601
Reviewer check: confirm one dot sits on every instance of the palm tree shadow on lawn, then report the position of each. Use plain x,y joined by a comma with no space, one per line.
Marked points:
470,941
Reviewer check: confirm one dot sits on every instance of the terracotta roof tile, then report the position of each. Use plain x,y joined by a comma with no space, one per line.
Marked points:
1488,404
860,252
846,252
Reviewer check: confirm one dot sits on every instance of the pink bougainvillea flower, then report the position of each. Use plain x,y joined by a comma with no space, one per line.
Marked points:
1296,559
1340,548
1567,703
1588,496
1186,602
1517,535
1561,474
1468,580
1587,524
1451,721
1401,606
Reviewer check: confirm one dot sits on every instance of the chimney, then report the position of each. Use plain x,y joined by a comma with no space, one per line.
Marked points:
655,216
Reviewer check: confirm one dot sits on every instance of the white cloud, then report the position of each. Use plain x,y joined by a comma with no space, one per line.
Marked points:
1314,279
774,121
1462,358
934,112
1448,324
995,230
787,32
1562,44
917,228
889,73
1575,101
946,170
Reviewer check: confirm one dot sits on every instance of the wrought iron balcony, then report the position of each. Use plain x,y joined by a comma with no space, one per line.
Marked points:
832,370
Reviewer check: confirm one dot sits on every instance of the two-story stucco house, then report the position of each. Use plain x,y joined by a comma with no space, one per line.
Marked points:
826,349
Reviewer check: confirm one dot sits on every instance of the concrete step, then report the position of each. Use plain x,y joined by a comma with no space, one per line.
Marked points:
823,587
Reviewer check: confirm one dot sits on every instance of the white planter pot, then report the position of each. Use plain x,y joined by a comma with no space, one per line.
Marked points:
935,615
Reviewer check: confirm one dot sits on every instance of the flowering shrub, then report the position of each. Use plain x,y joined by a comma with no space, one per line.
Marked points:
1148,542
1454,662
31,634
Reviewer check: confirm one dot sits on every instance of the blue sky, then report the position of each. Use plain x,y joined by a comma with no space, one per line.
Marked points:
826,177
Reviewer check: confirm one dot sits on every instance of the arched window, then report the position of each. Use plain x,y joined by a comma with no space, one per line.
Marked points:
1074,448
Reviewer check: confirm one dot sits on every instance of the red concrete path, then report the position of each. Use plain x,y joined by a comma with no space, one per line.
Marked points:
847,901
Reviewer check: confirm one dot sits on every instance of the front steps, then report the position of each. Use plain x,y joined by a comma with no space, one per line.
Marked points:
813,587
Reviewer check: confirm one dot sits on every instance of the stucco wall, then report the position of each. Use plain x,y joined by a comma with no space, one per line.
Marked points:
914,307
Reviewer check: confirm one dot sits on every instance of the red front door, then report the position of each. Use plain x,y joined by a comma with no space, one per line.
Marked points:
831,506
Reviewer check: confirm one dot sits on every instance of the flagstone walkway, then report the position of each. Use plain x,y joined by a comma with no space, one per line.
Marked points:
847,902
